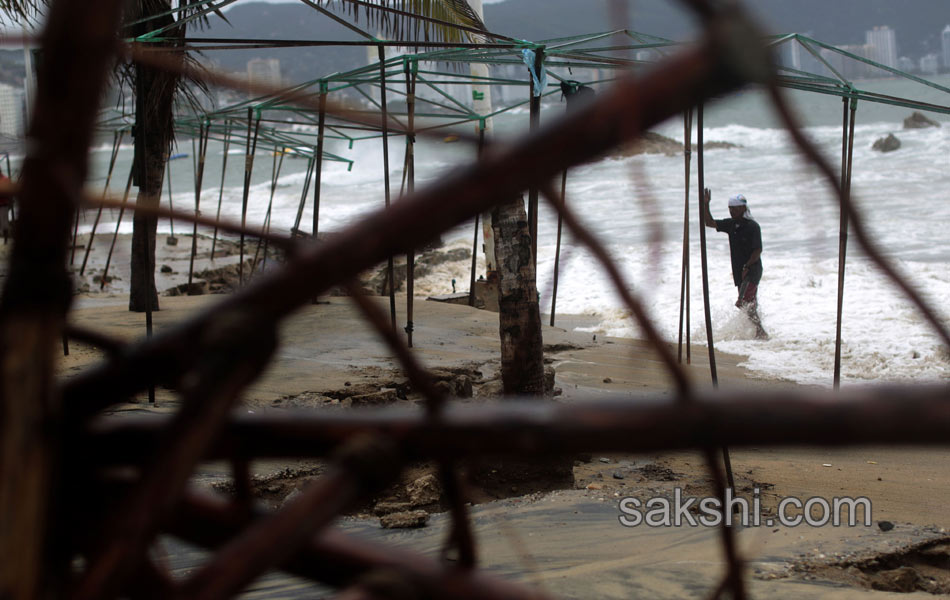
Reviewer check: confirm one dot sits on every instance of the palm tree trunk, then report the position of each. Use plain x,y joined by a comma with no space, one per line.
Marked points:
154,122
522,357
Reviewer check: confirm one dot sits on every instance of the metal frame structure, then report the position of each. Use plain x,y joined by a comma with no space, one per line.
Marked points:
53,446
433,70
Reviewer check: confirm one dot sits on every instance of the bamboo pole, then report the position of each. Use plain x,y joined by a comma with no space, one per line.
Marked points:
410,173
224,169
318,170
704,193
116,142
303,196
535,123
203,135
471,283
171,206
684,282
557,249
847,154
384,126
249,152
75,238
118,223
278,163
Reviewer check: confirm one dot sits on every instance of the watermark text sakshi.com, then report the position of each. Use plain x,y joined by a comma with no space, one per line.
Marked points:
708,511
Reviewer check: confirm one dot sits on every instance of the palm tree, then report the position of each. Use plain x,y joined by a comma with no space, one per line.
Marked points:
154,110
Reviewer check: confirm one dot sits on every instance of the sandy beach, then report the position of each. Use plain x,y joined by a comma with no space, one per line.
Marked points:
566,541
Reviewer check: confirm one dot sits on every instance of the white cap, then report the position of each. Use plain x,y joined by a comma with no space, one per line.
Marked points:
738,200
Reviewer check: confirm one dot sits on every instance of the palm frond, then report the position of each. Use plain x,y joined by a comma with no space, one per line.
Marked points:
442,20
21,11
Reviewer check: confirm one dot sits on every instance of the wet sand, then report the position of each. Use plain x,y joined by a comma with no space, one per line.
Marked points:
570,543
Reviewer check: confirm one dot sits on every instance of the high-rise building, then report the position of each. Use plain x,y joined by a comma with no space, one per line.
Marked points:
882,46
264,71
945,46
929,64
11,110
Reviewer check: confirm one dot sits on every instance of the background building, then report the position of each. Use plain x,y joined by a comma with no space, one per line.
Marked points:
882,46
264,71
945,46
929,64
11,111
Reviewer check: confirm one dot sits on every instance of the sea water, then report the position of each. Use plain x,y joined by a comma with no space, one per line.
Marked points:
635,205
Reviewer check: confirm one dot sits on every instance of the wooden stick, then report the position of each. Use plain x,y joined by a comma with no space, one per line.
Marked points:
224,169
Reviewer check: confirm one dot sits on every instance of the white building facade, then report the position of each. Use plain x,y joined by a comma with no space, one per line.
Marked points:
882,46
929,64
11,111
264,71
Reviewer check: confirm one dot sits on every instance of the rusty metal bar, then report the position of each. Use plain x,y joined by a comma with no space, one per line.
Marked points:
888,415
224,225
684,283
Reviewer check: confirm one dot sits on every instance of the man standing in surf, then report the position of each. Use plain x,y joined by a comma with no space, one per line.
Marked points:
745,247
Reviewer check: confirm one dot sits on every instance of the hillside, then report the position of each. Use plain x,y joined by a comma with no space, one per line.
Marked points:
917,23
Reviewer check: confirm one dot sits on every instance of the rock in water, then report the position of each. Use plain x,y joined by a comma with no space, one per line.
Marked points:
919,121
887,144
405,520
425,490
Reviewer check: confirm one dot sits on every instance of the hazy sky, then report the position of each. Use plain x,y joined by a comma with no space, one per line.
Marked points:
289,1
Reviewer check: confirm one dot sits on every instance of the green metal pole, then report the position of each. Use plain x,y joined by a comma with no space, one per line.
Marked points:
115,236
224,169
203,135
251,148
384,126
410,187
116,142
